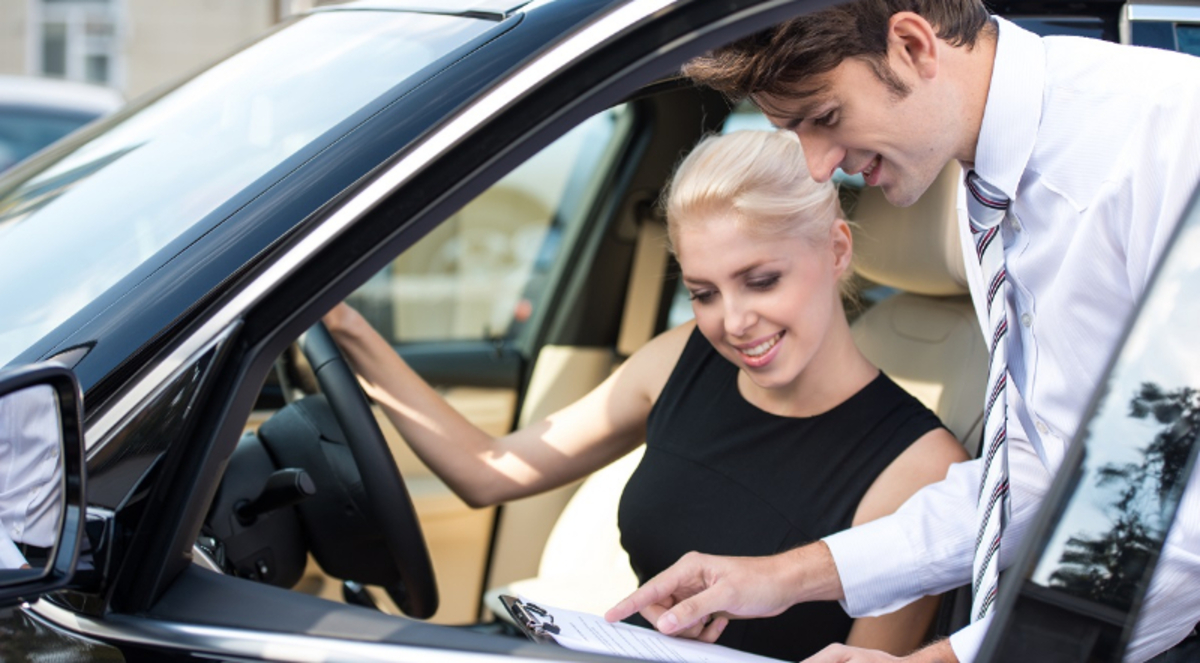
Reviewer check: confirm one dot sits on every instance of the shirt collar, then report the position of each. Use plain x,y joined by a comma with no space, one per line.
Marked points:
1014,108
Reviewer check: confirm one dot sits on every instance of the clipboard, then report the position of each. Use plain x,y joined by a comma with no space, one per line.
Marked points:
533,620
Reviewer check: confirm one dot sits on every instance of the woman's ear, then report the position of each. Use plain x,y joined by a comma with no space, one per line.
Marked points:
842,243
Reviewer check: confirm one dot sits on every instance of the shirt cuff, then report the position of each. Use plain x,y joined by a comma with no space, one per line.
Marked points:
966,642
874,584
10,555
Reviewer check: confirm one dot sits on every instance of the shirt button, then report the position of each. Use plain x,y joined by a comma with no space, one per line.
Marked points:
1041,427
1026,319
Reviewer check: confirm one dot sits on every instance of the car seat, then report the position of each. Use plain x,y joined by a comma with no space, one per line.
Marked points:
578,523
926,336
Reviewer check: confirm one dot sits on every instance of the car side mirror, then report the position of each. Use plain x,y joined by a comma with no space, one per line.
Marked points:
41,481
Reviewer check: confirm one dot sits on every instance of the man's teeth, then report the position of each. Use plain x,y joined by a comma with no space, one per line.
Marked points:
763,347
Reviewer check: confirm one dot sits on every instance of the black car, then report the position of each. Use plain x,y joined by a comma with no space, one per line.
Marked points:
479,177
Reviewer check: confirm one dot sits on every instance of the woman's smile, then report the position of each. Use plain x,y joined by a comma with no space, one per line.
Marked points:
760,352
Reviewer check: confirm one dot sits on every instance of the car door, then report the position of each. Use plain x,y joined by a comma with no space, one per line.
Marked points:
170,420
1076,594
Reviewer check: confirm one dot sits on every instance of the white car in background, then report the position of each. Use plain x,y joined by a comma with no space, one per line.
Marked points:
35,112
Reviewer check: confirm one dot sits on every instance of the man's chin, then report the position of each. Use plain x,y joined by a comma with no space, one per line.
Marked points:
902,195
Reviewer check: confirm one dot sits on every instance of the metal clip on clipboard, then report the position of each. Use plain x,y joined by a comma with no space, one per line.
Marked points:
533,620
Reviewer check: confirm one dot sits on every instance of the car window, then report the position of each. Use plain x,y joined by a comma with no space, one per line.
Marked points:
165,170
1076,26
481,273
1188,38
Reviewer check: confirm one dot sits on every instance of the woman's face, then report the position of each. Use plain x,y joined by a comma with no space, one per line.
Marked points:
765,303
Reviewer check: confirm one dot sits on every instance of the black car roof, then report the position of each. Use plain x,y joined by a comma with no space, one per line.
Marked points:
496,9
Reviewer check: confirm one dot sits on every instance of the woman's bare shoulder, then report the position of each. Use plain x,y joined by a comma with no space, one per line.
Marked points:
925,461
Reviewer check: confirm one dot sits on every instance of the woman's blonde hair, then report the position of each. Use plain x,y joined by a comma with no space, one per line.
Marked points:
759,180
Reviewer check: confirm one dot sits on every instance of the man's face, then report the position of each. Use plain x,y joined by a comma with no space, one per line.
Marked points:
861,125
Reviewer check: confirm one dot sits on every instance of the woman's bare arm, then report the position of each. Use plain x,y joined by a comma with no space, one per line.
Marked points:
925,461
482,470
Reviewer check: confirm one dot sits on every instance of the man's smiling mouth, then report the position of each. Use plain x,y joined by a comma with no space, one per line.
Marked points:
869,171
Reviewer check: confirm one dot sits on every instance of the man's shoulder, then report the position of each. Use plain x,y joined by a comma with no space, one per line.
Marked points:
1092,66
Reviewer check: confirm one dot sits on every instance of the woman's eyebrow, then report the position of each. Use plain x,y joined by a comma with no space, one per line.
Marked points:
692,281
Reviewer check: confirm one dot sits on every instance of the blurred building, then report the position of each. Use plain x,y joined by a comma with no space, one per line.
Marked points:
130,45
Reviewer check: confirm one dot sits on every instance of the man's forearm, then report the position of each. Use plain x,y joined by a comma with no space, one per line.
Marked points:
938,652
811,574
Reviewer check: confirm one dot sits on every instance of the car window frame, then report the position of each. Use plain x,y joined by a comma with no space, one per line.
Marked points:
266,329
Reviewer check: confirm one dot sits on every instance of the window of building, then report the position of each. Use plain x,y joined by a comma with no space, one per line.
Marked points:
76,40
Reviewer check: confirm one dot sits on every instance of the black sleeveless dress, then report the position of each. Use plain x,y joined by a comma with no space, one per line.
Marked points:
721,476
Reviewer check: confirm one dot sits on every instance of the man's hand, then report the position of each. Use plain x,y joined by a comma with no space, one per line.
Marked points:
707,629
680,600
939,652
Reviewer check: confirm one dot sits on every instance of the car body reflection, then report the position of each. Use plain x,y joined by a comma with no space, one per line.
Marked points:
31,477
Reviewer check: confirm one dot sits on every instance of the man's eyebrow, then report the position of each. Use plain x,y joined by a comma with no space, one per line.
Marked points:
801,108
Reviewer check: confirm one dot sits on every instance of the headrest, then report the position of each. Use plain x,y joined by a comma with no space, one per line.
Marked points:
916,248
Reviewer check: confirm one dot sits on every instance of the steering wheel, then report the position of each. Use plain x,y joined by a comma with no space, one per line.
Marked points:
389,500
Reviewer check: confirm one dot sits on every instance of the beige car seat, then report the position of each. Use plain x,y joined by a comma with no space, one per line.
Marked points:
582,565
927,336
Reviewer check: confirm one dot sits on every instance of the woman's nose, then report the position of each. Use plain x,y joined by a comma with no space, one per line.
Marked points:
738,318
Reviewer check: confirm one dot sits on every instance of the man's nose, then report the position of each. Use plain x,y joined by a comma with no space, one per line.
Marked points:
821,153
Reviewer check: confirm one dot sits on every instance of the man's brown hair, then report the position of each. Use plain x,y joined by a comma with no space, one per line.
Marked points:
782,61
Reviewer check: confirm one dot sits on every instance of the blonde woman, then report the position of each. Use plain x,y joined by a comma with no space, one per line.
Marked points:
765,427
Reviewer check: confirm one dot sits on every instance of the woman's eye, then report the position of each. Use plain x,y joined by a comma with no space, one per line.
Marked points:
764,283
702,296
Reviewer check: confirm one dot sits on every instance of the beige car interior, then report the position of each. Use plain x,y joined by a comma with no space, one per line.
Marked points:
563,547
925,337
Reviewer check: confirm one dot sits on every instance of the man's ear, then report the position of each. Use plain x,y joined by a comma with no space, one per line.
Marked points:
913,43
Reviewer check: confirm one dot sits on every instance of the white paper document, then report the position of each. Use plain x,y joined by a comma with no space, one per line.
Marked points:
585,632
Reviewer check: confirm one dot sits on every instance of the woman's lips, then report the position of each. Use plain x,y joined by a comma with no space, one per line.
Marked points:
760,353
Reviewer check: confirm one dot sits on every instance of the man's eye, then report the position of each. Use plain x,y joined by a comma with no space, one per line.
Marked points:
826,120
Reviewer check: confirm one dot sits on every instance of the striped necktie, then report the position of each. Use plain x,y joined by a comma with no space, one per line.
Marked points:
987,209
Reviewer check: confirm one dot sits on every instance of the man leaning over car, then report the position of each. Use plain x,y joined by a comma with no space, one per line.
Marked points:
1090,151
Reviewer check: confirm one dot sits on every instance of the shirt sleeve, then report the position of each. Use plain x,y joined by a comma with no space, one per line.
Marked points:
10,556
966,642
927,545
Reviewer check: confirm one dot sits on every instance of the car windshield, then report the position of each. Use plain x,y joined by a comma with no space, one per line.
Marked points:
74,228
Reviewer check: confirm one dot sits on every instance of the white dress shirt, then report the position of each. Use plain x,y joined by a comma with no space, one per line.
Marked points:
1098,147
30,472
